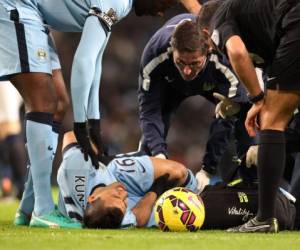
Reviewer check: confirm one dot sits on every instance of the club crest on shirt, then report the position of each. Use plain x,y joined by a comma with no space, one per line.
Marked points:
41,54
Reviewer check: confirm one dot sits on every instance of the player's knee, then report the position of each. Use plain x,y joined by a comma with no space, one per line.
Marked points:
277,116
268,120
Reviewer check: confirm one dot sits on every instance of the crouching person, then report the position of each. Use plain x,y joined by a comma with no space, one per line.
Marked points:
121,193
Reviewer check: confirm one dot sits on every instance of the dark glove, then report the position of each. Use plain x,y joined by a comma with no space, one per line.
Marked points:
162,184
82,137
95,135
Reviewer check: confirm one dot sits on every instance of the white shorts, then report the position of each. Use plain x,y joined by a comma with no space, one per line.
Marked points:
25,46
10,102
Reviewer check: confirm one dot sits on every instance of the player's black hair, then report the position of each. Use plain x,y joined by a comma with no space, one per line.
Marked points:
206,14
97,216
188,38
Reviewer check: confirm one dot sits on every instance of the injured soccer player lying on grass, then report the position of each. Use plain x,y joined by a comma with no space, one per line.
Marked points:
121,193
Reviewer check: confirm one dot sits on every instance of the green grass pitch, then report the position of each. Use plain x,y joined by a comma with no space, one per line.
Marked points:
23,238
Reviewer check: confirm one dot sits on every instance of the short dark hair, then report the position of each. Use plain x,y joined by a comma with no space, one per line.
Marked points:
188,38
97,216
206,14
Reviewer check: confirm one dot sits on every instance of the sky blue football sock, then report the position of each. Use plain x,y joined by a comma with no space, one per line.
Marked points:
190,182
39,137
27,201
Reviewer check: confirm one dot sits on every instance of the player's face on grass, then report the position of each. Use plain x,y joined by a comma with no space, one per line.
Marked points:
113,195
189,64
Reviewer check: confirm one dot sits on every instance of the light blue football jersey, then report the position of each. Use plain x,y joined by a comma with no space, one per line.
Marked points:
76,179
68,15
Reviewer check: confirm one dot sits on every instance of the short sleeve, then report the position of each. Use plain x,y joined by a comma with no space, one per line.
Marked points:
224,24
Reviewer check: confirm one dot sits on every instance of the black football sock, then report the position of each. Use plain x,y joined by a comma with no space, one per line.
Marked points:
271,161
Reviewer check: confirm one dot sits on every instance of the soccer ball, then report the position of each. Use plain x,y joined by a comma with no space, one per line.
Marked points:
179,209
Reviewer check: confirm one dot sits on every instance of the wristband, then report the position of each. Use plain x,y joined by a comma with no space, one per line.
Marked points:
257,98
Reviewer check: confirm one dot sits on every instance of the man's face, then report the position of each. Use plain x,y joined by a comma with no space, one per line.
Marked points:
153,7
113,195
189,64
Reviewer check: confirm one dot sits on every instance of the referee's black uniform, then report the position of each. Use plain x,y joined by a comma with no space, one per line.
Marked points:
270,30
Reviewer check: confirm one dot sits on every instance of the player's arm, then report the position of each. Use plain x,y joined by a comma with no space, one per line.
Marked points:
218,141
226,37
242,64
143,209
93,112
192,6
150,116
91,47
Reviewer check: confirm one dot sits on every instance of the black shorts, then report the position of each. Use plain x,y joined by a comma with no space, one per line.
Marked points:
284,72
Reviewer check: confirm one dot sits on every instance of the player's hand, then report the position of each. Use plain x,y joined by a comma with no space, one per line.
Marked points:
252,119
162,184
203,179
95,134
251,156
82,137
226,107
